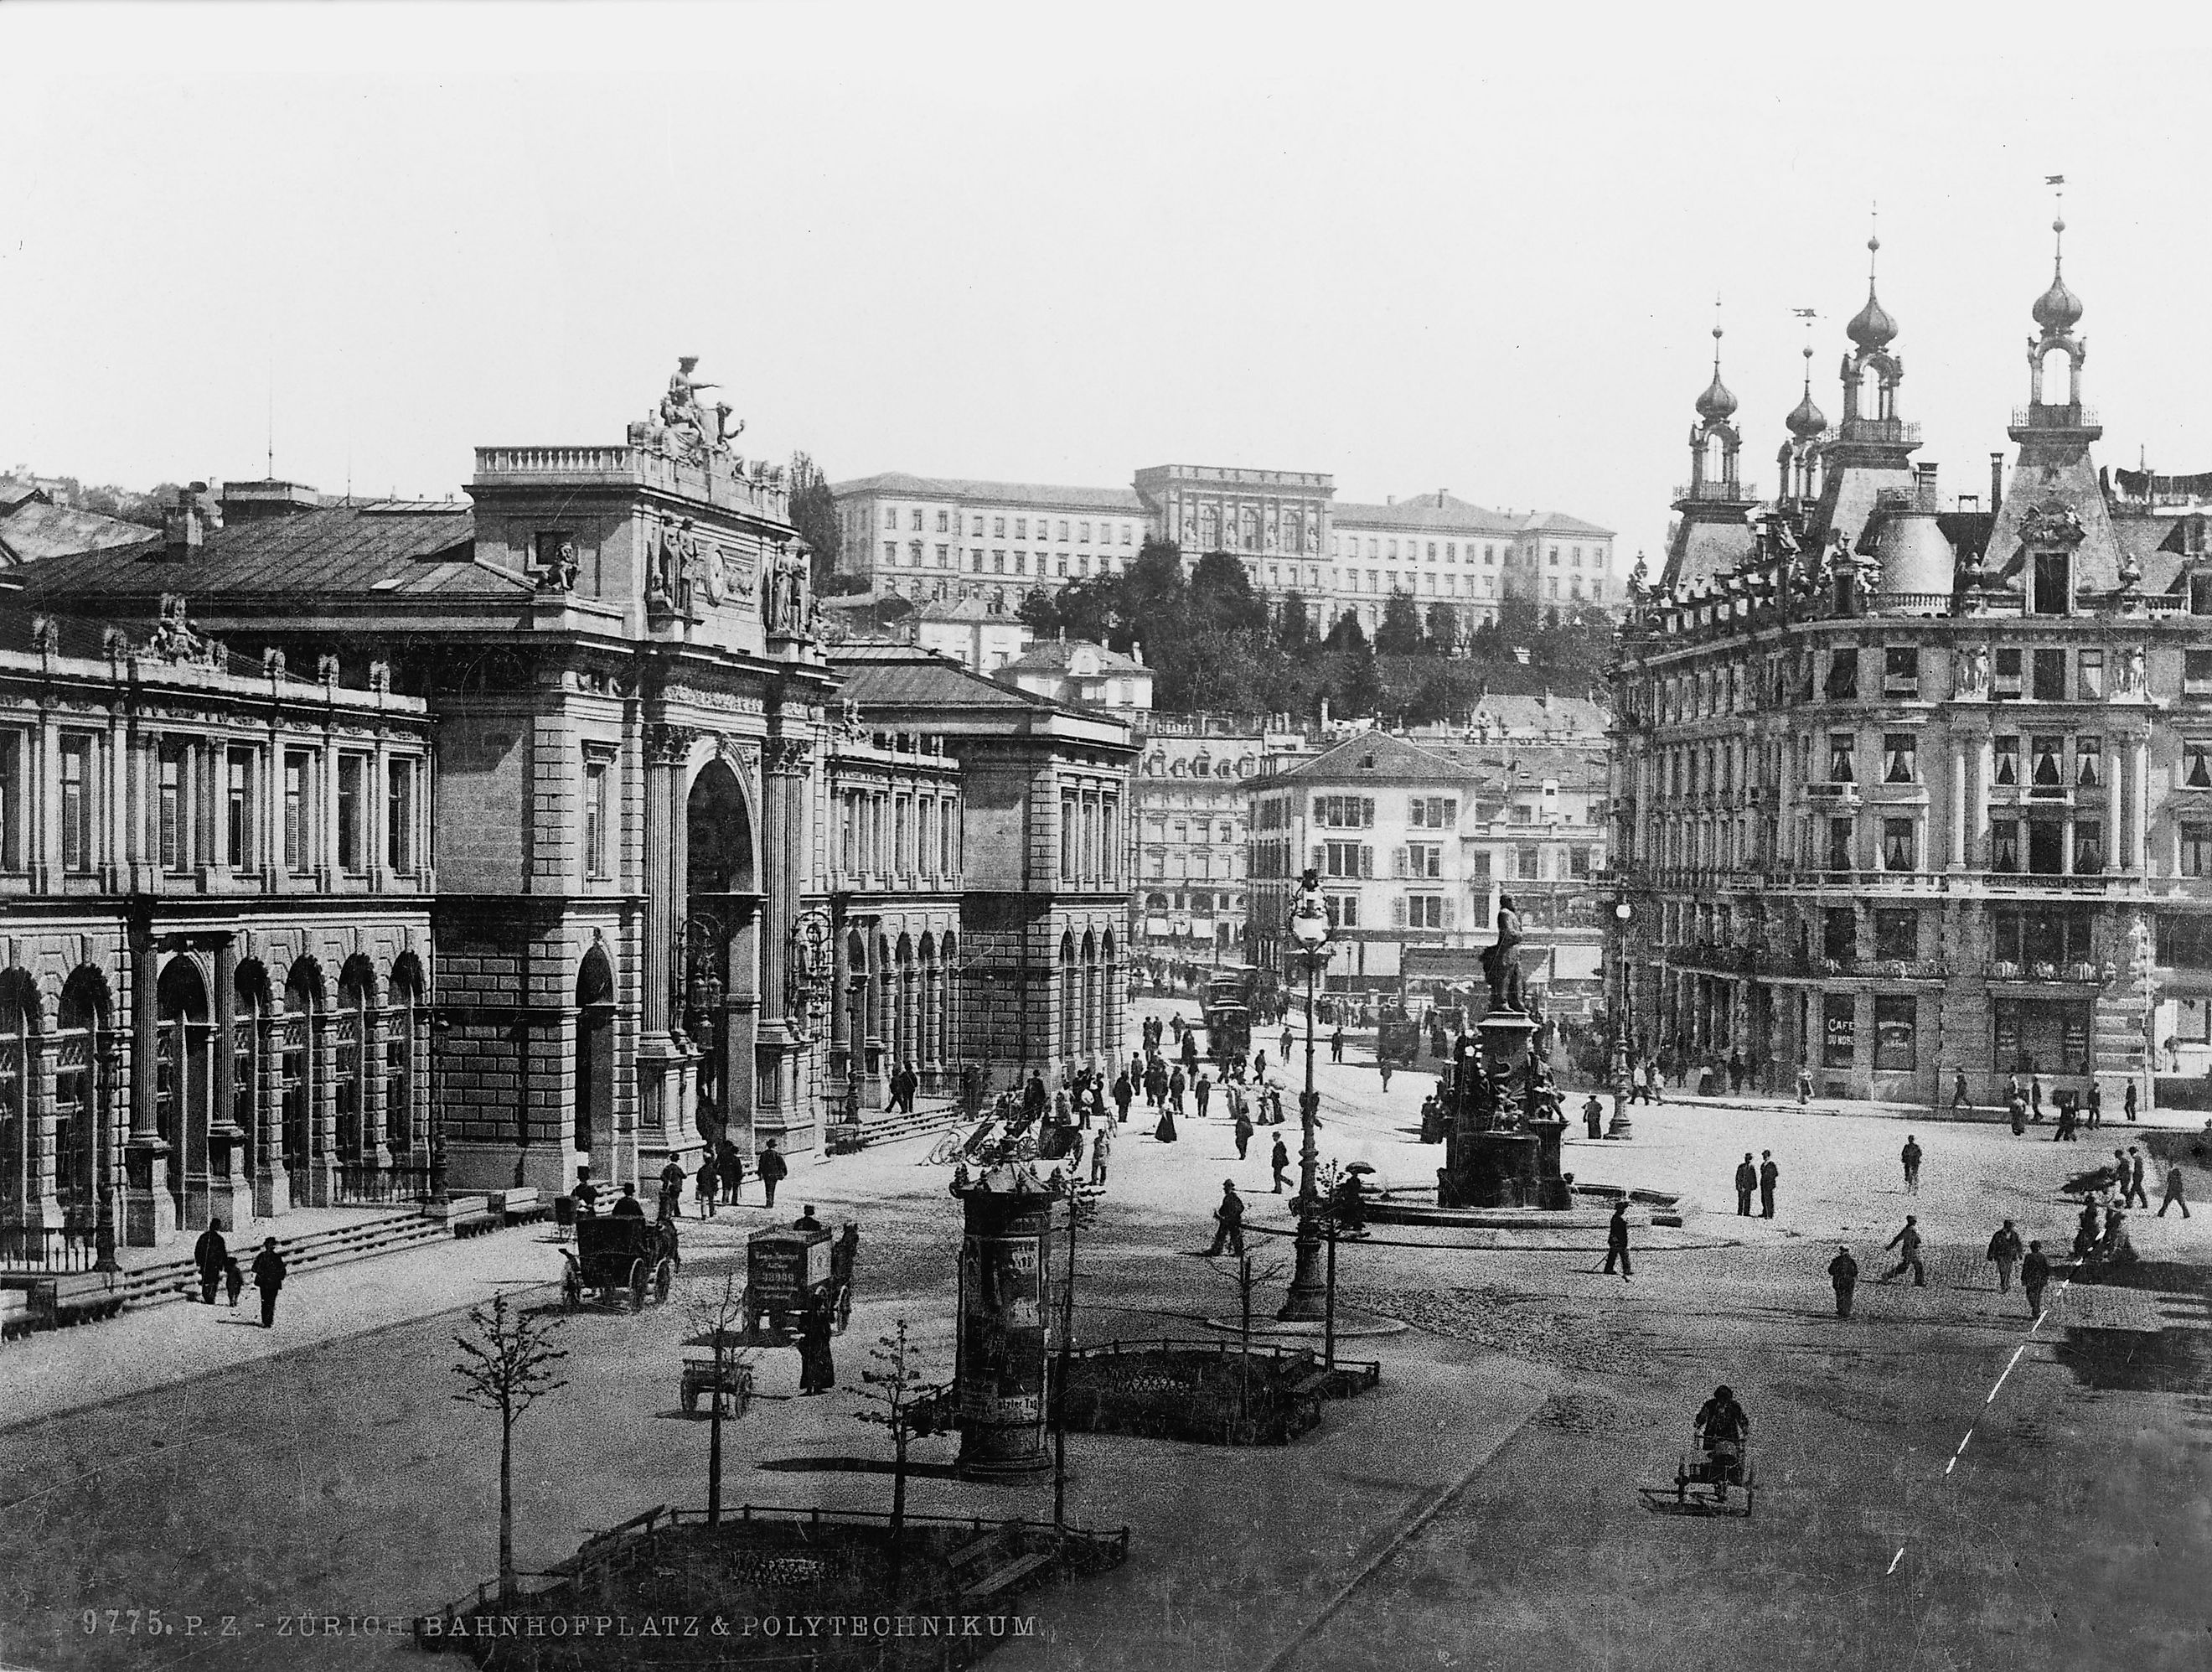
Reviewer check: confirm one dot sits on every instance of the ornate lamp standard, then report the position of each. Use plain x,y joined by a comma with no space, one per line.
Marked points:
1619,1126
1308,1300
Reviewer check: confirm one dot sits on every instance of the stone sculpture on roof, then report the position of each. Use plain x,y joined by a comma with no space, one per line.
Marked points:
682,426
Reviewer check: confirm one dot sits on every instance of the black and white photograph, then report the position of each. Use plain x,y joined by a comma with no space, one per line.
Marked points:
854,837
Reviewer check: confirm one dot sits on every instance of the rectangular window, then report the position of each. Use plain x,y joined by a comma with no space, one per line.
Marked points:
2089,847
2054,592
1425,911
1839,844
1425,859
1901,671
1896,844
2007,675
352,858
2092,676
1346,859
2004,845
2196,850
1900,758
2046,847
173,811
12,801
1069,839
2004,754
77,806
2050,669
1345,812
2196,673
1839,1018
1578,862
1433,812
599,776
1527,860
916,524
1479,866
1840,747
238,808
2045,775
1839,933
299,844
944,522
1896,1021
2089,763
948,839
1897,935
1842,676
399,814
1343,910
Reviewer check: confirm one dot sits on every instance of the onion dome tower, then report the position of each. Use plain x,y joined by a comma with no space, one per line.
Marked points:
1870,450
1712,531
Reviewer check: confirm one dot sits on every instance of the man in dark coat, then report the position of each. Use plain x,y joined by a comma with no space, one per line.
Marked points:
1279,1161
2133,1195
1909,1155
772,1168
1124,1095
1770,1173
2005,1253
210,1254
1747,1181
1593,1115
817,1371
1907,1244
1616,1240
1336,1046
671,1190
628,1207
1243,1132
2035,1277
1844,1273
269,1278
1228,1221
731,1161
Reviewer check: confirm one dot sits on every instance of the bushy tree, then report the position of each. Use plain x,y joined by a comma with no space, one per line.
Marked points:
1346,635
1443,629
1293,629
1399,631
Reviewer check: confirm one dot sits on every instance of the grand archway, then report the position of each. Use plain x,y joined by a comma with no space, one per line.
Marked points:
718,949
591,1120
183,1071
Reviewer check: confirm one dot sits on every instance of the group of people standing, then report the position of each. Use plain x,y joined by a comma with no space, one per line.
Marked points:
720,1177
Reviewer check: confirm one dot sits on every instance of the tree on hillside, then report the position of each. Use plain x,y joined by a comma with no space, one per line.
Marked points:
1347,634
1400,633
1222,598
1293,629
814,514
1358,686
1443,629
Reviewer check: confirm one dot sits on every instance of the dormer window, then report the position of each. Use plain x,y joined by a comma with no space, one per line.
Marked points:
2054,584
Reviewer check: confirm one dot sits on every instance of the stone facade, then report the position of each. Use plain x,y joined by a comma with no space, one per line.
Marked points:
1908,790
215,967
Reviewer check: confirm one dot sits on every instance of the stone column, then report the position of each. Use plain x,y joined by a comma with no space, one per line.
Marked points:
1978,805
785,764
2138,796
149,1212
229,1196
1958,856
667,748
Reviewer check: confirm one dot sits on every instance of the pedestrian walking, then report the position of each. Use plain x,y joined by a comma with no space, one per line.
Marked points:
1804,1086
1735,1071
1228,1221
1164,1129
2035,1093
2128,1102
1280,1162
1203,1091
732,1162
2085,1230
817,1370
1336,1046
233,1280
1844,1273
1616,1240
705,1184
1285,1053
1639,1082
2096,1105
2173,1198
2016,1110
2034,1276
2134,1196
2005,1253
1243,1130
1747,1181
1958,1089
2065,1134
1907,1244
1124,1094
1769,1175
1384,1068
772,1168
1100,1145
1910,1156
1593,1117
269,1279
210,1254
1177,1086
671,1204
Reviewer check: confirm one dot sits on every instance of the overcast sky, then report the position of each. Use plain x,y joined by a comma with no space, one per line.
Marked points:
1417,248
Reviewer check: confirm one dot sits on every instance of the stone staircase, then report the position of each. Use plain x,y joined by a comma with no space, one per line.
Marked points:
931,1115
86,1297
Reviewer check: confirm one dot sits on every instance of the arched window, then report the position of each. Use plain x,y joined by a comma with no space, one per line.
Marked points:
77,1113
405,1053
1070,997
182,1066
595,1053
351,1047
19,1045
249,1047
300,1083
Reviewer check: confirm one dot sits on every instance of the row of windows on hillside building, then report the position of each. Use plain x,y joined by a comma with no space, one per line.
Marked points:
206,802
2015,674
1110,533
1355,860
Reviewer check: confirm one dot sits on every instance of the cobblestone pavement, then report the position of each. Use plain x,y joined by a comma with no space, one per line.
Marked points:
1477,1511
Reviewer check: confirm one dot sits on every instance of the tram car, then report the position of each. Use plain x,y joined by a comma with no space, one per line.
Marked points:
1228,1012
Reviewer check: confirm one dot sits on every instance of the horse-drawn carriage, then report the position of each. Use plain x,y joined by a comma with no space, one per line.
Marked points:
619,1254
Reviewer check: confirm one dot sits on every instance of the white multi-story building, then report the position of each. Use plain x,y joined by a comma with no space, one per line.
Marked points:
1417,840
934,539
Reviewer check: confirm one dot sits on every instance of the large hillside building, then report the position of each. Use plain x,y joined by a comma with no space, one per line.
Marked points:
1907,788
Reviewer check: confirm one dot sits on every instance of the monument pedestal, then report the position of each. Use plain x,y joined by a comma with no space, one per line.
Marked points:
1497,1153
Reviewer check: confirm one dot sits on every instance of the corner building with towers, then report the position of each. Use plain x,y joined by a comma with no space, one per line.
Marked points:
1909,788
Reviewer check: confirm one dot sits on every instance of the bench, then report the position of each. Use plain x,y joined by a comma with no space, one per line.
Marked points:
465,1216
1000,1578
520,1207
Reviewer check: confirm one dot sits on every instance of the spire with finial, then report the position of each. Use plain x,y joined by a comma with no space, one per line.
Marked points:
2058,310
1717,404
1871,327
1806,421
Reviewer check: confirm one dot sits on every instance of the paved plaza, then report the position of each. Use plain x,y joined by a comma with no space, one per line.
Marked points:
1944,1485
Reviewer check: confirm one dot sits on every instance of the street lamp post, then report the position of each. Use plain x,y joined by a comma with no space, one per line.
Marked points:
1308,1300
1619,1127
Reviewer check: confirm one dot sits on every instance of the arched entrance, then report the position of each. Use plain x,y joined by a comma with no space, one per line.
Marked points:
249,1061
592,1125
300,1078
721,915
183,1071
353,1045
77,1112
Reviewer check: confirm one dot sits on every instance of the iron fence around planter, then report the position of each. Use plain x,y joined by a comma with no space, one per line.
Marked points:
363,1184
46,1248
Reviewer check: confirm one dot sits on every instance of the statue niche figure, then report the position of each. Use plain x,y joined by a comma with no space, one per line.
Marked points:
1500,967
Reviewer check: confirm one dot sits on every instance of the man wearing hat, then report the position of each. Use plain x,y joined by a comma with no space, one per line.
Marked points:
268,1278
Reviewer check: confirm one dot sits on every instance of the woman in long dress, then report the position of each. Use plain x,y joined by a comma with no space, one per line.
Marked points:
1165,1131
818,1372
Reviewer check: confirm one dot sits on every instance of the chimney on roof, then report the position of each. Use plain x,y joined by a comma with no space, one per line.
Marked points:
1389,499
1996,481
184,525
